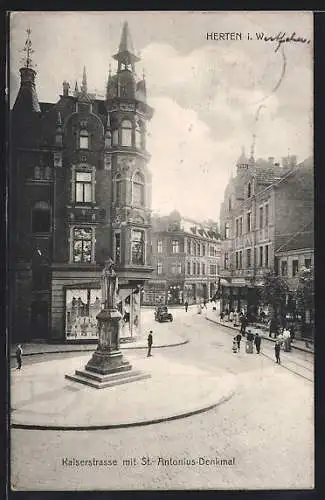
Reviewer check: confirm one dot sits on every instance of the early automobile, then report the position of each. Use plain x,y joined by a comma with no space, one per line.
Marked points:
162,314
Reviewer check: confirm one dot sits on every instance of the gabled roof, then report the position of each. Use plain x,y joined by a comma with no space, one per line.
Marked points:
299,240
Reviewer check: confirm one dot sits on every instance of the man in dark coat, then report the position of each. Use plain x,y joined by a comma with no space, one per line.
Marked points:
238,339
19,353
186,306
257,343
244,323
277,348
149,343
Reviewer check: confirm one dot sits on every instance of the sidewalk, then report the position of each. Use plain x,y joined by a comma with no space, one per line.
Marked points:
162,339
297,344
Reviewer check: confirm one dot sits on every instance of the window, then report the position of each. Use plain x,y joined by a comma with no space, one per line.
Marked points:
138,189
194,267
227,230
261,257
137,247
249,257
241,259
248,222
240,226
41,218
212,251
189,247
179,268
117,248
198,268
203,250
159,268
173,269
237,260
249,190
213,269
203,269
267,214
83,187
308,263
83,139
126,129
175,246
226,260
237,228
261,217
82,244
266,256
138,134
115,137
284,268
159,246
295,267
188,268
118,189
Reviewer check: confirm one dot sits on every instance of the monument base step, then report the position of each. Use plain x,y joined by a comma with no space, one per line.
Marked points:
102,381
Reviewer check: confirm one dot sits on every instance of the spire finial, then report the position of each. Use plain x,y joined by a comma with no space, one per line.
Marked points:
27,59
84,81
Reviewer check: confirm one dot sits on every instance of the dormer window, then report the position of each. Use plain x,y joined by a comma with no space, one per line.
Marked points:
83,139
126,130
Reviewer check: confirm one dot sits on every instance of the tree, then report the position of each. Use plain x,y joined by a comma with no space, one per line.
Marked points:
274,293
305,294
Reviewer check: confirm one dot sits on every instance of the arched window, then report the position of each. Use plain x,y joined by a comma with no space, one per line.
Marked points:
249,190
118,189
138,135
138,189
41,217
83,139
126,129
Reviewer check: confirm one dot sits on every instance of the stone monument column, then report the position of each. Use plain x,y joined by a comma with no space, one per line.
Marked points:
107,366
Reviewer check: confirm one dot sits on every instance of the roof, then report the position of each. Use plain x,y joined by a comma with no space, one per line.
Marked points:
301,239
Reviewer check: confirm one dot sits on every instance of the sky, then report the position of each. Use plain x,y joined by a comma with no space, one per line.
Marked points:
205,93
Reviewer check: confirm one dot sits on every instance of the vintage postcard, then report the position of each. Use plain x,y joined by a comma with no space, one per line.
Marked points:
161,211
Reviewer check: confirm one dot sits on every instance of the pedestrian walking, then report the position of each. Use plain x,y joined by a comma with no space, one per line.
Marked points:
149,343
231,316
234,345
277,348
236,318
238,340
243,324
257,343
19,353
186,306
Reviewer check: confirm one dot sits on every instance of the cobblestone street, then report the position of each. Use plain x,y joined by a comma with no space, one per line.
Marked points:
264,433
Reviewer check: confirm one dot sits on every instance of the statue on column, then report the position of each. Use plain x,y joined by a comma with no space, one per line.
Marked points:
109,285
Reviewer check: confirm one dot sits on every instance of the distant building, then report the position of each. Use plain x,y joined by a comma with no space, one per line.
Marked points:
186,257
80,192
265,206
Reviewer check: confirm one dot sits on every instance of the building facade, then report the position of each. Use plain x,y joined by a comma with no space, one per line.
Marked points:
80,192
185,257
265,205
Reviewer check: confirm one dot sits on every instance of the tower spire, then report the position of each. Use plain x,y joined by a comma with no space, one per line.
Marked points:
84,81
28,50
126,54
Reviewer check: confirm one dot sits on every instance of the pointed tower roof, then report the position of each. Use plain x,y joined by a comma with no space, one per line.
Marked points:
27,100
84,84
126,51
242,159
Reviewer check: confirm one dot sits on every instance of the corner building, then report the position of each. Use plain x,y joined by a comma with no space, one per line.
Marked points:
80,192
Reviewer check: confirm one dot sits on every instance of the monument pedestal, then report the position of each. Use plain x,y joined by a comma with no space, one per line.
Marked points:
107,367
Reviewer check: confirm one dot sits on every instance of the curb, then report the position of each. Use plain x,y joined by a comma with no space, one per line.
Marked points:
93,348
265,338
124,425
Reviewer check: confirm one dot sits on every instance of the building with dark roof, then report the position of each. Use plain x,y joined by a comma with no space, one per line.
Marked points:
80,192
267,211
185,257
